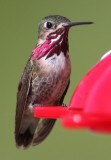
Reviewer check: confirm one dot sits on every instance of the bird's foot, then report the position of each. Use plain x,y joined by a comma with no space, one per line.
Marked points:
37,105
64,105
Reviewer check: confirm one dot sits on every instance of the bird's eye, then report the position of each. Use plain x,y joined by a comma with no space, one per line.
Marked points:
48,25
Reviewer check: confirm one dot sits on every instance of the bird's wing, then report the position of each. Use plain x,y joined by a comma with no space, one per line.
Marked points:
22,94
63,96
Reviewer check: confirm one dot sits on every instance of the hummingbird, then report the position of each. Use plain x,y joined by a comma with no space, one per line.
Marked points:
45,80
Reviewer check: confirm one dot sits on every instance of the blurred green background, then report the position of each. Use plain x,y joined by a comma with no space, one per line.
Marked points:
18,36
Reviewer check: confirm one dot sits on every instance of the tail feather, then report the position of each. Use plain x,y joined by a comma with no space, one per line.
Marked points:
23,140
25,135
33,132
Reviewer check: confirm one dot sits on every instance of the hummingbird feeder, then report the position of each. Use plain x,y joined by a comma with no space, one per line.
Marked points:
90,105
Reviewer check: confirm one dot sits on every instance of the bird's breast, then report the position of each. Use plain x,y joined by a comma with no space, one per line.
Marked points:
50,87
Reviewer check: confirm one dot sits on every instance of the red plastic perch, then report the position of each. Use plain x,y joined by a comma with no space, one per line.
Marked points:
90,105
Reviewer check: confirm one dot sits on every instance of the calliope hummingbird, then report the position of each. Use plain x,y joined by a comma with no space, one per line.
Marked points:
44,81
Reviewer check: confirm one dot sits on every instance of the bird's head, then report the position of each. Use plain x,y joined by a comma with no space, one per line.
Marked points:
53,34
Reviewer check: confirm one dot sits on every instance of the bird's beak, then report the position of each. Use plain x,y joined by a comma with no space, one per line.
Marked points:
76,23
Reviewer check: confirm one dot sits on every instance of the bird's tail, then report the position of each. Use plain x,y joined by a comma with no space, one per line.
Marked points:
25,135
33,132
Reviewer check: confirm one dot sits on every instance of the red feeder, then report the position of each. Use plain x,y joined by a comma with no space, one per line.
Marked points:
90,105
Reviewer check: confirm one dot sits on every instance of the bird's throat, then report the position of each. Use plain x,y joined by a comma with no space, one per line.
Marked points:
50,47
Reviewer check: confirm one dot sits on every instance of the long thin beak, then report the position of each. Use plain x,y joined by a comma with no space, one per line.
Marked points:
76,23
